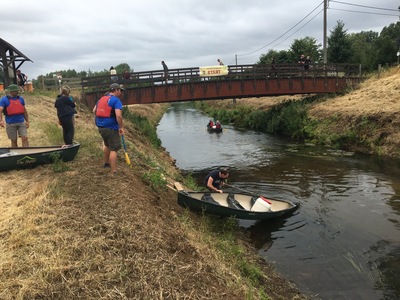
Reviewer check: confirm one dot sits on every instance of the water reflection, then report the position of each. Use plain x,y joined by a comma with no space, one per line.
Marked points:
343,242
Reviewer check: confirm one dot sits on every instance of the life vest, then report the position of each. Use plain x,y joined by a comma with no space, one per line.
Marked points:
15,107
103,110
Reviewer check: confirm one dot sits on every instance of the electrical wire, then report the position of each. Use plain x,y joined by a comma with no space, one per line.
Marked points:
283,33
339,2
364,6
363,12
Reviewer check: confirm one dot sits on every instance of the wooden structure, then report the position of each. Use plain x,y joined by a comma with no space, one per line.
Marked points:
242,81
11,60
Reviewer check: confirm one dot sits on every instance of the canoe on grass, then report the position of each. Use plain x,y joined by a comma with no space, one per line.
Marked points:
30,157
238,205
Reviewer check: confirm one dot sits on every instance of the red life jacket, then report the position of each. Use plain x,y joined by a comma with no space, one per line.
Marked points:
103,110
15,107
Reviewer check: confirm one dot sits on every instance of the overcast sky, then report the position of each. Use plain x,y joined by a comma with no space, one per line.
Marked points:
96,34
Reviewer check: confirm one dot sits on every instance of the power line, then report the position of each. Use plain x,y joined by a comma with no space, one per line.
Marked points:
365,6
339,2
282,34
363,12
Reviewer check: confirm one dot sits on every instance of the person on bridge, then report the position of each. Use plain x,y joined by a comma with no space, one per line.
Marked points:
113,74
220,62
108,111
301,61
215,179
307,63
165,67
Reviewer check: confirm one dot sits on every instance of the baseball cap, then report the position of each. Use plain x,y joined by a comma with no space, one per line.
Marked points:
115,86
12,88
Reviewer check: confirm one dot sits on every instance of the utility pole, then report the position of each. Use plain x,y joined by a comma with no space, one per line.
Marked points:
325,21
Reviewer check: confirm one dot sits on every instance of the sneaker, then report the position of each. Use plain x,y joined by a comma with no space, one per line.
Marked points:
106,165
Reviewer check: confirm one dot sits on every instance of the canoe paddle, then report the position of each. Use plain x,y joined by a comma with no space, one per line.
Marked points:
128,161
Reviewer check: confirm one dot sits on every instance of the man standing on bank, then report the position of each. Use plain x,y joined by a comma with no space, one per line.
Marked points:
215,179
13,106
108,111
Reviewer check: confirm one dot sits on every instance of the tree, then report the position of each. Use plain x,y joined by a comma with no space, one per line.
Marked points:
388,46
363,49
307,46
280,57
339,45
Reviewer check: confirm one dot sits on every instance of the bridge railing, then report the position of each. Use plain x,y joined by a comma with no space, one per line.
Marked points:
235,72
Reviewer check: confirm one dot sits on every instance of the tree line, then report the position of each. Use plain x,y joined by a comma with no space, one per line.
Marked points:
367,48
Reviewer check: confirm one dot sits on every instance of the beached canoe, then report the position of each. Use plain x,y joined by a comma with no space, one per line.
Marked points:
30,157
238,205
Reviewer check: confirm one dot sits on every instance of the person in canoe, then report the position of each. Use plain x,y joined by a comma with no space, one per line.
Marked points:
215,179
210,124
16,115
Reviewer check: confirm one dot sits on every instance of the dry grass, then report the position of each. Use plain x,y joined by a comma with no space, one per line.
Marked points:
84,234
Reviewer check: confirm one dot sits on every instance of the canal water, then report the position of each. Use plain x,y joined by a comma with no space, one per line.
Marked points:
343,242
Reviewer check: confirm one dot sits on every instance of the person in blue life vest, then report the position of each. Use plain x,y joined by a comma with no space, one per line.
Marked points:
108,112
65,112
215,179
16,116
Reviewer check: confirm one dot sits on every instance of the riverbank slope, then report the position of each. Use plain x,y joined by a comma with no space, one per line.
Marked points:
73,231
366,119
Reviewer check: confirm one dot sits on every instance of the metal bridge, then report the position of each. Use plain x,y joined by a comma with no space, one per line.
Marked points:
225,82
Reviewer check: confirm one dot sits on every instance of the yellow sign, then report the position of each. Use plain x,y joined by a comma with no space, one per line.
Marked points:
213,71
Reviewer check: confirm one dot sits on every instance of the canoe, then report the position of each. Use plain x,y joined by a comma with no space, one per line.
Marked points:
214,129
238,205
30,157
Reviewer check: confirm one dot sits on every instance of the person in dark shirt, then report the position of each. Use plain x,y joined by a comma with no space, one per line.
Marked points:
215,179
65,113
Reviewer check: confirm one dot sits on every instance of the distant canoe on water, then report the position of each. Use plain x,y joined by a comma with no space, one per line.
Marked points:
30,157
237,205
214,129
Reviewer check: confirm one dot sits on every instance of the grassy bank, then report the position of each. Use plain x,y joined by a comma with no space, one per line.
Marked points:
73,231
364,120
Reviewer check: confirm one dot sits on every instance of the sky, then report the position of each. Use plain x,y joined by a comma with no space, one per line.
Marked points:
97,34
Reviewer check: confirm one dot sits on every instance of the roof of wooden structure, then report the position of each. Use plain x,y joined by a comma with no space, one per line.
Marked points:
10,60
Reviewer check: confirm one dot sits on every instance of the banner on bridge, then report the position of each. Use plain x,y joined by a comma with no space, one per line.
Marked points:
213,71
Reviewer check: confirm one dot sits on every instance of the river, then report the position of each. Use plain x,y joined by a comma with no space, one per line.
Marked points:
343,242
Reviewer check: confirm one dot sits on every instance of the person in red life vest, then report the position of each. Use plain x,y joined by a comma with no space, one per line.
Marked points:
215,179
108,111
217,125
16,115
65,112
210,124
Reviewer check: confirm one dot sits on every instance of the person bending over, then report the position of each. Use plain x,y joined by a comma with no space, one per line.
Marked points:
215,179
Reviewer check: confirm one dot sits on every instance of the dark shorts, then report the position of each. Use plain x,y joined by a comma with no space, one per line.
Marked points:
111,138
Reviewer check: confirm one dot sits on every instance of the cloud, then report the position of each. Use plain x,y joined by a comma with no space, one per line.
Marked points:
94,35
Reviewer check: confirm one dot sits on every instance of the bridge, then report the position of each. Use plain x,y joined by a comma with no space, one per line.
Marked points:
225,82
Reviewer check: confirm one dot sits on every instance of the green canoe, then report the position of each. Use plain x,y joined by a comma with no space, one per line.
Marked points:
238,205
30,157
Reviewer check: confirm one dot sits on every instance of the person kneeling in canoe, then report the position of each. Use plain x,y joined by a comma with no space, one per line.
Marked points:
215,179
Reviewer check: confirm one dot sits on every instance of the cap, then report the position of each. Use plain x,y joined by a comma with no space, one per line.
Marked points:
115,86
12,88
66,88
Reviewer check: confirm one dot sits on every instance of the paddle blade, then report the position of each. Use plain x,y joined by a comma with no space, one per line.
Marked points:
128,161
